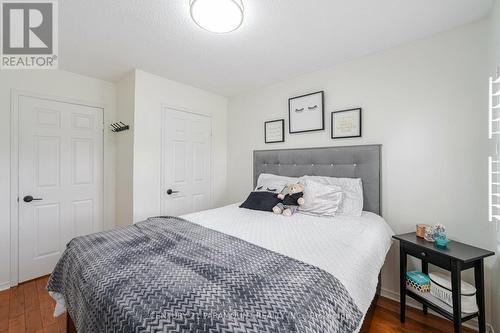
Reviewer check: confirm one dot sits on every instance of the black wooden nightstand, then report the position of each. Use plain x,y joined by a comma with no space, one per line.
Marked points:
456,258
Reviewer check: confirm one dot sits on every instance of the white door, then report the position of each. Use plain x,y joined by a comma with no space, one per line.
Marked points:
186,163
60,179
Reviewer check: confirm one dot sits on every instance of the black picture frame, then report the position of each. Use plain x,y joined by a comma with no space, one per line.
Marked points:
282,130
322,112
360,110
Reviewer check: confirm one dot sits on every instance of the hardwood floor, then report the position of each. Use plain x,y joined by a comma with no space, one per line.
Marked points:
386,320
29,308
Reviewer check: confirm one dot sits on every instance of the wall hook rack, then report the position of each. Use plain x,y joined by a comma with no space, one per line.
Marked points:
118,127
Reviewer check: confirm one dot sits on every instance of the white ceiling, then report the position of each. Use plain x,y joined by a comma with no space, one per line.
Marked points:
279,39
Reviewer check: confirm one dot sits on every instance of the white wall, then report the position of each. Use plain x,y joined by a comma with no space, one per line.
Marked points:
494,66
125,151
426,103
151,92
57,84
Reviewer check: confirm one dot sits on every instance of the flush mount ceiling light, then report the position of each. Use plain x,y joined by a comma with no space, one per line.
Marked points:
218,16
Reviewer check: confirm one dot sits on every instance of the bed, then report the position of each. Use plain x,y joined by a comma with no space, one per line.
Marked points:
266,262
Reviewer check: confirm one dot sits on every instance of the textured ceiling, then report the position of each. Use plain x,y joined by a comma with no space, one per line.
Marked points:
279,39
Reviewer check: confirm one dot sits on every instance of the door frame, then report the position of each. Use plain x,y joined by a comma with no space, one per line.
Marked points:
14,168
164,110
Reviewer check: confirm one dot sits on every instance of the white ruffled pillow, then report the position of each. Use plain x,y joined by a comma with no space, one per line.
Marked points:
321,199
352,203
273,183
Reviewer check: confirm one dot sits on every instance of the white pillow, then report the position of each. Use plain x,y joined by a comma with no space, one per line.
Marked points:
321,199
352,203
273,183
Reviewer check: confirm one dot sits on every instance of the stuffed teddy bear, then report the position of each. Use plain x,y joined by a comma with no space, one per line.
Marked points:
291,198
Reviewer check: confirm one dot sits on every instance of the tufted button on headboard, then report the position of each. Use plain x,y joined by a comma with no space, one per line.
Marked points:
343,162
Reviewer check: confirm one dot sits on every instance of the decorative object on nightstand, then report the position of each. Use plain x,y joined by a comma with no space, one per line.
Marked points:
441,289
421,230
456,258
441,242
418,281
429,233
439,231
436,234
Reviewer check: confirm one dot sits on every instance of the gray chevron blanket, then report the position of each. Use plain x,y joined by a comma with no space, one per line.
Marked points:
170,275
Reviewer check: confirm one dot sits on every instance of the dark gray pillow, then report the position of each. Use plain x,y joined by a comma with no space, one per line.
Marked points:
264,201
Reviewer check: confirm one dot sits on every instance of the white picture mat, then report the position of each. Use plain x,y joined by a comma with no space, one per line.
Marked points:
306,120
346,123
274,131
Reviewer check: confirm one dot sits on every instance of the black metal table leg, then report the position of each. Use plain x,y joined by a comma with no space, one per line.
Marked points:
456,269
402,283
425,270
479,281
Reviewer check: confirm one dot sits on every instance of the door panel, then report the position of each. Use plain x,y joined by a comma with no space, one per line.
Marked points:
186,162
83,216
83,161
47,161
47,224
61,163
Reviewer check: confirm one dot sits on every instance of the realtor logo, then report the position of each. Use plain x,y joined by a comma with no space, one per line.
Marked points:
29,34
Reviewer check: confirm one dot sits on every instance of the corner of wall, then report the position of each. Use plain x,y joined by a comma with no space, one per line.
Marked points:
125,150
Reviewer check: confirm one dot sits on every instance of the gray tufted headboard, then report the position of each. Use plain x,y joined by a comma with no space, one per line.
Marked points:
346,162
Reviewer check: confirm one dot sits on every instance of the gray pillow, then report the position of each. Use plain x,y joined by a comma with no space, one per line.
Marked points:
321,199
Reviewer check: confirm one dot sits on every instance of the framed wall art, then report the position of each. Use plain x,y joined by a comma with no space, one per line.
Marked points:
346,124
305,113
274,131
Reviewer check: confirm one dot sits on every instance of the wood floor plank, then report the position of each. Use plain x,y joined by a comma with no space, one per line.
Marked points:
16,301
4,310
43,295
47,312
17,324
54,328
33,320
31,301
61,320
387,318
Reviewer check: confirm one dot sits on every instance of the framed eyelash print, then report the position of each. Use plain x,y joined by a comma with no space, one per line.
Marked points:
305,113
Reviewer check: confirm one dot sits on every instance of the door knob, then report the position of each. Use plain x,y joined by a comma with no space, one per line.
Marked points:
170,191
29,198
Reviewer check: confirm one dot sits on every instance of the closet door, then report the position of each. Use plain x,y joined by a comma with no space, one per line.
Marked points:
186,162
60,179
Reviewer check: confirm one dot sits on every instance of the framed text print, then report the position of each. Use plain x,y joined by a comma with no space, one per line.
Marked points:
346,124
274,131
305,113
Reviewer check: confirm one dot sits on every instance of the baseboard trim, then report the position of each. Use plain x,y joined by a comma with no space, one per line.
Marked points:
4,285
414,304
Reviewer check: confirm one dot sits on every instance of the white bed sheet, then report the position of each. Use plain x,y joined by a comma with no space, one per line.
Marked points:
352,249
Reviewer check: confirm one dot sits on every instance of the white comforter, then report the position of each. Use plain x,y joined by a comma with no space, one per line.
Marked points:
352,249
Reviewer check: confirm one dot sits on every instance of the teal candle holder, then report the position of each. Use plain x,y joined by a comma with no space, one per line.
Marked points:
441,243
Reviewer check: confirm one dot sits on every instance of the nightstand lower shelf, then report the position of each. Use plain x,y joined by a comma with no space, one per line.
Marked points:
433,303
